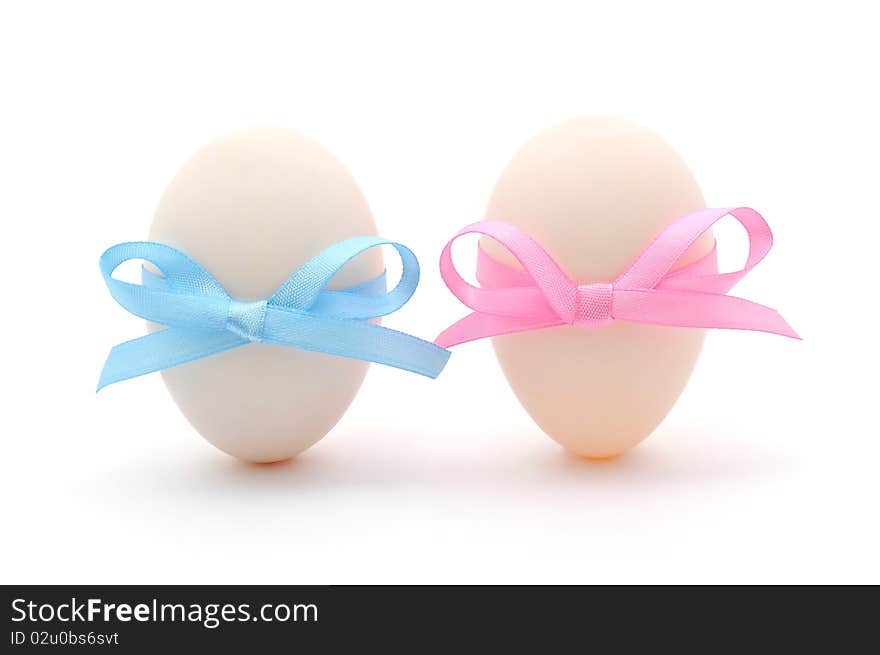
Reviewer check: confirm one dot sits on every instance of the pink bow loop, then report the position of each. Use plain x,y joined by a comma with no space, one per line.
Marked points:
541,295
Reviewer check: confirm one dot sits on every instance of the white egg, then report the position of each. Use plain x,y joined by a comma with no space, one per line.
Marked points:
252,207
593,191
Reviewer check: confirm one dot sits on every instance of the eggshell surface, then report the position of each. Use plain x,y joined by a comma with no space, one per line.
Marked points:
252,207
593,191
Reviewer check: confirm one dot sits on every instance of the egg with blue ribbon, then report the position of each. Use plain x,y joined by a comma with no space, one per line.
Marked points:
262,307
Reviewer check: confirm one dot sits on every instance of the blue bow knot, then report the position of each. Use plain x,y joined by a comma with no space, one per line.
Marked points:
247,319
202,319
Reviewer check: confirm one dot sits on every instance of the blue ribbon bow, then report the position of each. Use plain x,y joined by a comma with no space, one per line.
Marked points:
203,320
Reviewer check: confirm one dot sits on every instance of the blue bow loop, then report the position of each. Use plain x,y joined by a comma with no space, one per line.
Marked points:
202,319
305,288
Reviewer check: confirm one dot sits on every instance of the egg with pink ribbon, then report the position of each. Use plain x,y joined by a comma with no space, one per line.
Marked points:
598,275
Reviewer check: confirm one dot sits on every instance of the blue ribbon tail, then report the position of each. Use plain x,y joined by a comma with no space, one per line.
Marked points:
163,349
354,339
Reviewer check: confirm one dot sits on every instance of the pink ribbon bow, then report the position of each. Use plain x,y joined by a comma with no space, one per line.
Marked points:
542,296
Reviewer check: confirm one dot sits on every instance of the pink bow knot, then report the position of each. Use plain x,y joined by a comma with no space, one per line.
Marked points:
541,295
593,306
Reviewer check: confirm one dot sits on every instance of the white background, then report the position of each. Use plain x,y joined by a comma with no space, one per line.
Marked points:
765,471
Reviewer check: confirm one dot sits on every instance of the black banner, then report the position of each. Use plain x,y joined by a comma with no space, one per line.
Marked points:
318,619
